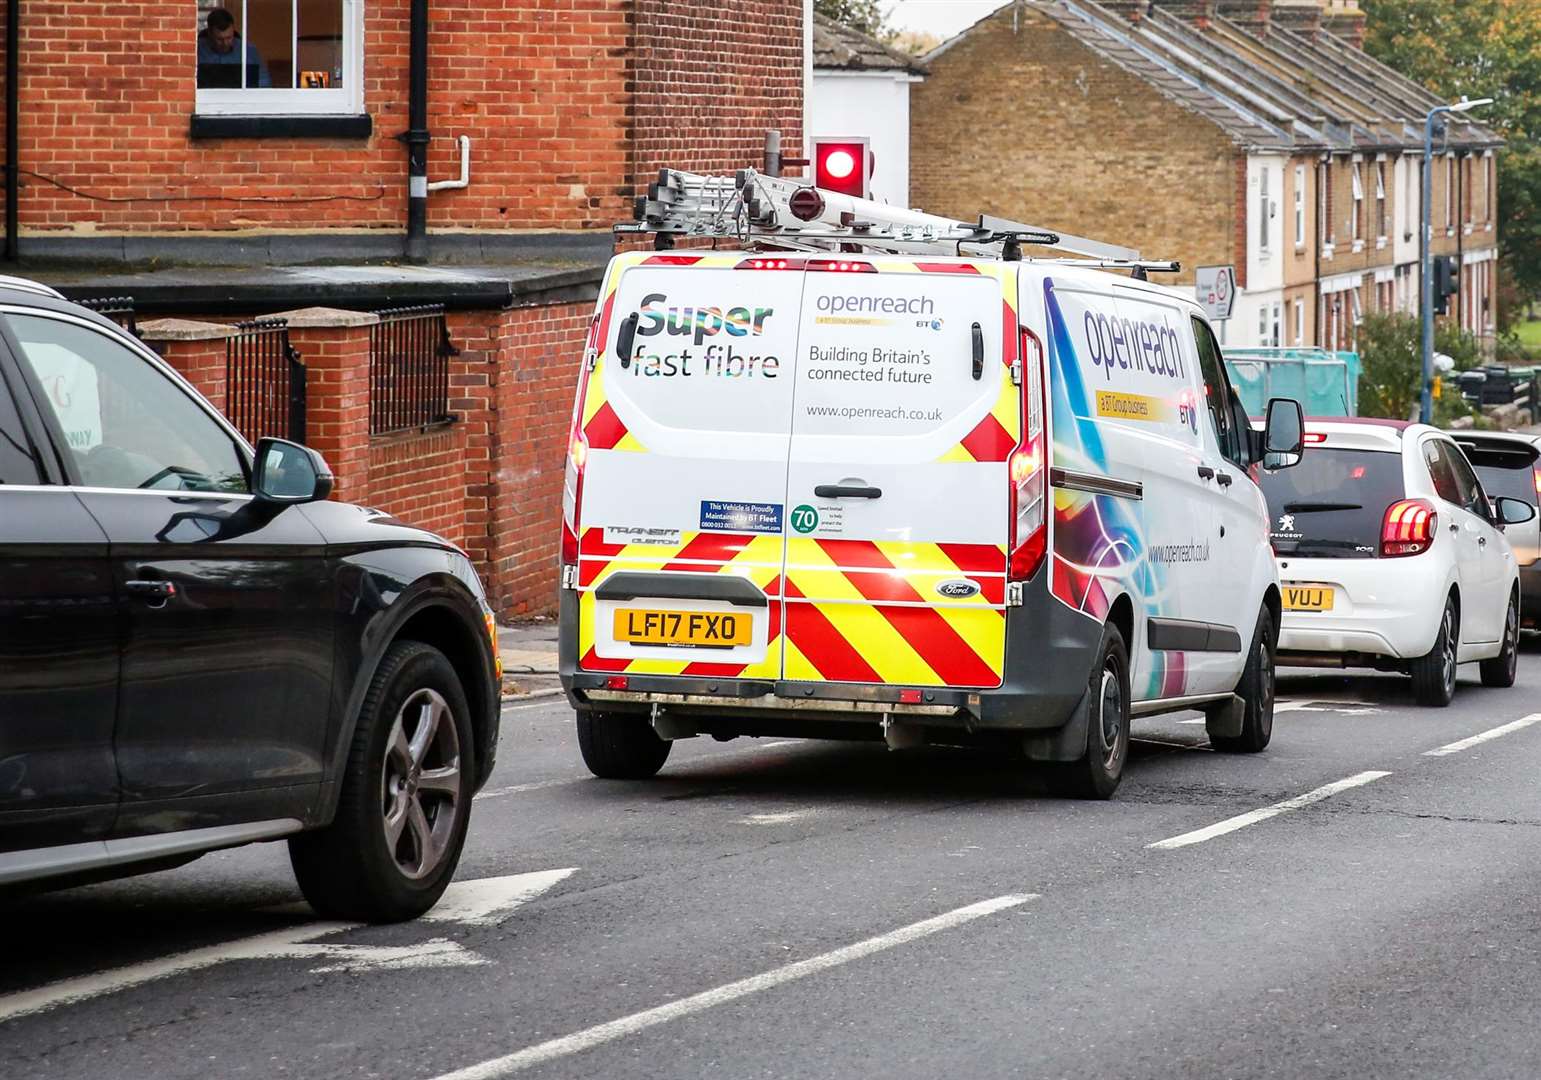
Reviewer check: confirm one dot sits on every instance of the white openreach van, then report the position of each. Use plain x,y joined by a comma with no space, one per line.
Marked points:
857,493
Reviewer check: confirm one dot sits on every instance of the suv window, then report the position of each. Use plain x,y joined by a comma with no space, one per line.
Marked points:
1437,456
1217,395
124,424
18,458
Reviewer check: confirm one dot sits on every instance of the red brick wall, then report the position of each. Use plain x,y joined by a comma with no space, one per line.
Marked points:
566,102
421,478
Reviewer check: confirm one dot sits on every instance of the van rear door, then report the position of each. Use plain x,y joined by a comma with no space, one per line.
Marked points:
682,434
904,415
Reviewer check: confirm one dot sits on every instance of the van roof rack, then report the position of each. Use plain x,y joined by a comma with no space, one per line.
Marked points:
758,210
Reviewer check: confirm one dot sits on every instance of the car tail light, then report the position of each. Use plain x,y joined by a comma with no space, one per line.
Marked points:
1408,528
1537,474
1315,437
1026,472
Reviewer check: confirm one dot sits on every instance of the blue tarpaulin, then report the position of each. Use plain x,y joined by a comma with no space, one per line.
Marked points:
1326,383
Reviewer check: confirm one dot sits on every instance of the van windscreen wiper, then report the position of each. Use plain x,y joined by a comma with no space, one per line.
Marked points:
1308,507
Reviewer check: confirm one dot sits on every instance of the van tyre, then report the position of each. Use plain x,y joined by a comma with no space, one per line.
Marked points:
1256,690
1434,674
620,746
1500,670
405,804
1097,774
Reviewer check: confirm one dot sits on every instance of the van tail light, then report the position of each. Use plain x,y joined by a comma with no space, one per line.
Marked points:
1536,473
572,496
1027,470
1408,528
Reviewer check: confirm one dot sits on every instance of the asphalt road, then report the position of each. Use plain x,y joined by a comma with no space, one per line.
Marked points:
769,908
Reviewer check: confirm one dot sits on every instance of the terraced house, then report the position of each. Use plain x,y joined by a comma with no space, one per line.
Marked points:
1254,133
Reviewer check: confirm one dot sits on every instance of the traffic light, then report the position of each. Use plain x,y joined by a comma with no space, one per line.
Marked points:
1446,282
843,165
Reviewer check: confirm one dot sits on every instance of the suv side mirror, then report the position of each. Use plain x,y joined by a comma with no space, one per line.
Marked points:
1284,433
1513,511
286,472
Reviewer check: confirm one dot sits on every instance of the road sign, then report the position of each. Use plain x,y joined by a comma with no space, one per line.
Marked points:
1216,288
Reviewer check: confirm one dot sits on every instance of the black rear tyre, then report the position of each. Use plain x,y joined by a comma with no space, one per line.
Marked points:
1256,689
1097,774
1500,670
405,804
1434,674
620,746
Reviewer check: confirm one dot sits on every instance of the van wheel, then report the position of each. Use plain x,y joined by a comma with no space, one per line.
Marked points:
620,746
1256,690
1500,670
1434,674
401,821
1097,774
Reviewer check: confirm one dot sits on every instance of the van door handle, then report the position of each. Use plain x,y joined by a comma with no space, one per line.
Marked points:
1482,541
847,491
155,592
1224,478
625,339
979,352
1206,473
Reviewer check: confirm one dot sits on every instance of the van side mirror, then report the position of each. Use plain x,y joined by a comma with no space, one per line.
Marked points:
1284,433
286,472
1513,511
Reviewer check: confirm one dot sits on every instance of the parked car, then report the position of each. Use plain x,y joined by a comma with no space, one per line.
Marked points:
1392,556
197,651
1506,463
956,500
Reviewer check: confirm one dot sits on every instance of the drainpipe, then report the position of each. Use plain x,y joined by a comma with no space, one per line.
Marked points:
416,136
12,118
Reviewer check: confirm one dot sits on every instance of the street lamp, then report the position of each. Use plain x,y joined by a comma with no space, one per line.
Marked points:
1426,408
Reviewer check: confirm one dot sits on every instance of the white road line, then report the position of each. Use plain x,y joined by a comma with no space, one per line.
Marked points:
589,1038
1493,733
520,789
1252,817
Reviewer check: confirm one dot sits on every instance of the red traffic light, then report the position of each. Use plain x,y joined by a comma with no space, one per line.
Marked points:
842,165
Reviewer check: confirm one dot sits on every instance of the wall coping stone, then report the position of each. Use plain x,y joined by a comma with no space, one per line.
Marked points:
185,330
317,318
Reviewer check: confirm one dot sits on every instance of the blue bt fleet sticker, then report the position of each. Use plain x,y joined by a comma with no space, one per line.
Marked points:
719,516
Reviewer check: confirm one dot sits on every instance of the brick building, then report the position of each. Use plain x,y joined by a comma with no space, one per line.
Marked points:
207,184
1246,132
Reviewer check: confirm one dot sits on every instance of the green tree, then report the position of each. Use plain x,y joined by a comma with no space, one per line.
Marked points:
1391,367
867,16
1480,48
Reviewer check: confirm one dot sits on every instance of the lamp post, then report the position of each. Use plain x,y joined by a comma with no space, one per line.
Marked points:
1426,257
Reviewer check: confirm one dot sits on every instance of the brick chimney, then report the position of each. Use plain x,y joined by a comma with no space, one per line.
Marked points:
1343,18
1301,16
1133,10
1253,14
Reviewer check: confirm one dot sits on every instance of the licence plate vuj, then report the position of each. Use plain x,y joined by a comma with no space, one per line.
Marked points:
1307,598
693,629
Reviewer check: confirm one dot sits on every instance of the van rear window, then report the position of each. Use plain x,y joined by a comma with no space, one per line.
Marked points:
1332,503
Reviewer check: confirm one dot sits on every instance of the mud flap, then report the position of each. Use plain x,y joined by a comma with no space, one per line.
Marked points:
1224,719
1067,743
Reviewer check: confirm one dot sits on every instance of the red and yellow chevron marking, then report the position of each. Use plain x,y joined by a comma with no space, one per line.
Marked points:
995,436
755,556
865,611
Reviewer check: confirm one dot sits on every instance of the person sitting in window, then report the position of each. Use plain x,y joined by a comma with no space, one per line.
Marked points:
220,52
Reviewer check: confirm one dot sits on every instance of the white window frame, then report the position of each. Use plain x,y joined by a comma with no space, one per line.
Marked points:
1324,207
1355,226
1300,321
346,100
1487,190
1262,211
1262,326
1380,203
1276,336
1449,194
1300,206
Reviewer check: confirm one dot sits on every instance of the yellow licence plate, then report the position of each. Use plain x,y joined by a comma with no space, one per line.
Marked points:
1307,598
693,629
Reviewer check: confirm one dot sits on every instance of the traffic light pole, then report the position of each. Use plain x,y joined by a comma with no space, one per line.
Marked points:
1426,263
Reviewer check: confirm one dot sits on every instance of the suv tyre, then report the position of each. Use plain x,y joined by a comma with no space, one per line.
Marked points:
405,804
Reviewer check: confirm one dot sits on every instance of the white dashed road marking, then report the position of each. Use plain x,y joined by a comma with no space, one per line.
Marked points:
1493,733
1252,817
629,1025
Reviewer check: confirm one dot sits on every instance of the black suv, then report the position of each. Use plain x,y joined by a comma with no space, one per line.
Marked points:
197,652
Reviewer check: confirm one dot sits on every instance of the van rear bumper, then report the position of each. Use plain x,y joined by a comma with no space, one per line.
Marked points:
1050,650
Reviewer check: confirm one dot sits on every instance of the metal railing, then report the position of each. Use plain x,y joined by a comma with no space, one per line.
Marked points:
120,309
409,352
265,381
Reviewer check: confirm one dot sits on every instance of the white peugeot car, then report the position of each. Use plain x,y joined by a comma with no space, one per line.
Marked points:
1392,556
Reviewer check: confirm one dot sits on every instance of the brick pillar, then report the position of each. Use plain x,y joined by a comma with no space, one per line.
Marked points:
195,349
334,346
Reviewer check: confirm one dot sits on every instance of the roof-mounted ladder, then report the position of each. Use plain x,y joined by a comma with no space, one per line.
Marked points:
753,209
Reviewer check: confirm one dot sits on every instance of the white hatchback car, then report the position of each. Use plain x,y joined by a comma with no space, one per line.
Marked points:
1392,556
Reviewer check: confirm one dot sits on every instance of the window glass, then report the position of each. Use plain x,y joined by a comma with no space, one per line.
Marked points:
18,458
1331,505
125,425
1440,472
270,44
1472,495
1217,394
